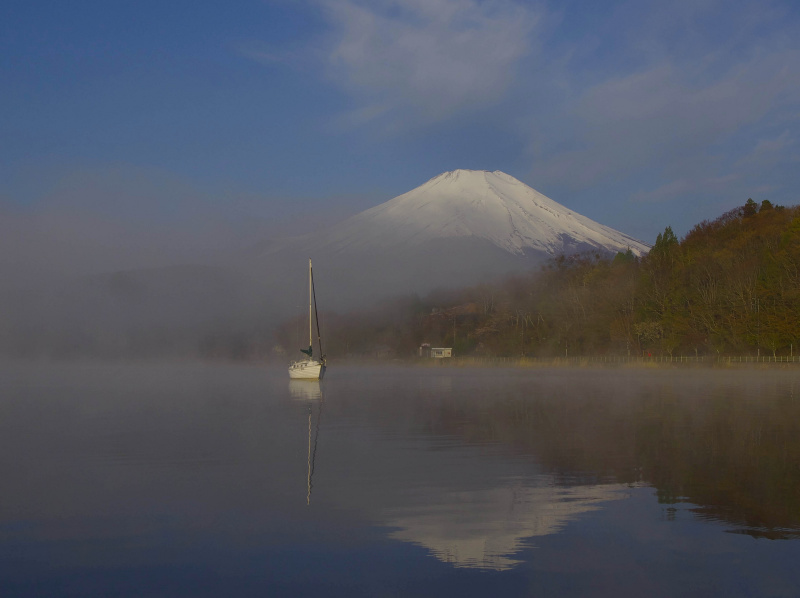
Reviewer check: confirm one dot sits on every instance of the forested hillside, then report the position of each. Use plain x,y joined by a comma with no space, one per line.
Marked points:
731,286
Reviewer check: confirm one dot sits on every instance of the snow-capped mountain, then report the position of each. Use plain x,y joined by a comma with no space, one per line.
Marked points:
491,206
458,229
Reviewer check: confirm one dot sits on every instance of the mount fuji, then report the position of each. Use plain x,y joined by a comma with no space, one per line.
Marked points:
491,206
459,228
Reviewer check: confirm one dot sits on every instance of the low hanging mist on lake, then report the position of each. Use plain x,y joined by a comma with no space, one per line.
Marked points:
209,480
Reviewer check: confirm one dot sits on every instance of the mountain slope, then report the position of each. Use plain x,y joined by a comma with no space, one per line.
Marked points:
492,206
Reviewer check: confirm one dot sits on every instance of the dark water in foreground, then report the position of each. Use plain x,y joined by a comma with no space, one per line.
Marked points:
193,480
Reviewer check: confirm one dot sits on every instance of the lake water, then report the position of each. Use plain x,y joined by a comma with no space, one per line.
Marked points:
209,480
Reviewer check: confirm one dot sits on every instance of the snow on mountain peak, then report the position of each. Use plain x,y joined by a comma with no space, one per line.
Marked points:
492,206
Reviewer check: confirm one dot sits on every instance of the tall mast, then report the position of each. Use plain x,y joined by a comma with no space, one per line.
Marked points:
310,299
316,314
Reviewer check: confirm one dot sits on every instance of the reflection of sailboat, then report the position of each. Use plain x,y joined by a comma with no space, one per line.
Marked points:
310,368
305,390
312,447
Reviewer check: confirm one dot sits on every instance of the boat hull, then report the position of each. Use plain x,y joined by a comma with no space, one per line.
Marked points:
306,370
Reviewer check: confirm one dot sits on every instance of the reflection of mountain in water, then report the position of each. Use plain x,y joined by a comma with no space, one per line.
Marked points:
725,444
485,528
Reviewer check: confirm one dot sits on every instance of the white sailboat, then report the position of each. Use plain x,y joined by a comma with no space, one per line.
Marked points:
310,368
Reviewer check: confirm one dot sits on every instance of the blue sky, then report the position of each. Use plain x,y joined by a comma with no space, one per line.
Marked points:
158,130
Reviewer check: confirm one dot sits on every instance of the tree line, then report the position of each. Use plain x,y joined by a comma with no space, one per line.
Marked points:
731,286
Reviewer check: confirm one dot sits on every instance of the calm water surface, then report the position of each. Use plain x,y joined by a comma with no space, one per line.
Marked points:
207,480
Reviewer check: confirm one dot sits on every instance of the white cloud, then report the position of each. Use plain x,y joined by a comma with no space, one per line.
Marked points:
770,147
426,59
690,186
671,119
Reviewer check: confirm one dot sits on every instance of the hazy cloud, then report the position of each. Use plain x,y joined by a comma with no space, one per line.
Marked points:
768,149
686,115
659,115
121,217
426,59
688,185
261,54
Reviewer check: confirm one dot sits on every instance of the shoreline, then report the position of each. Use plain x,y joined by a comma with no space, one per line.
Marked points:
607,362
660,362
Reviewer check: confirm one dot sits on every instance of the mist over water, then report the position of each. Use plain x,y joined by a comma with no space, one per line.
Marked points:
127,262
194,479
